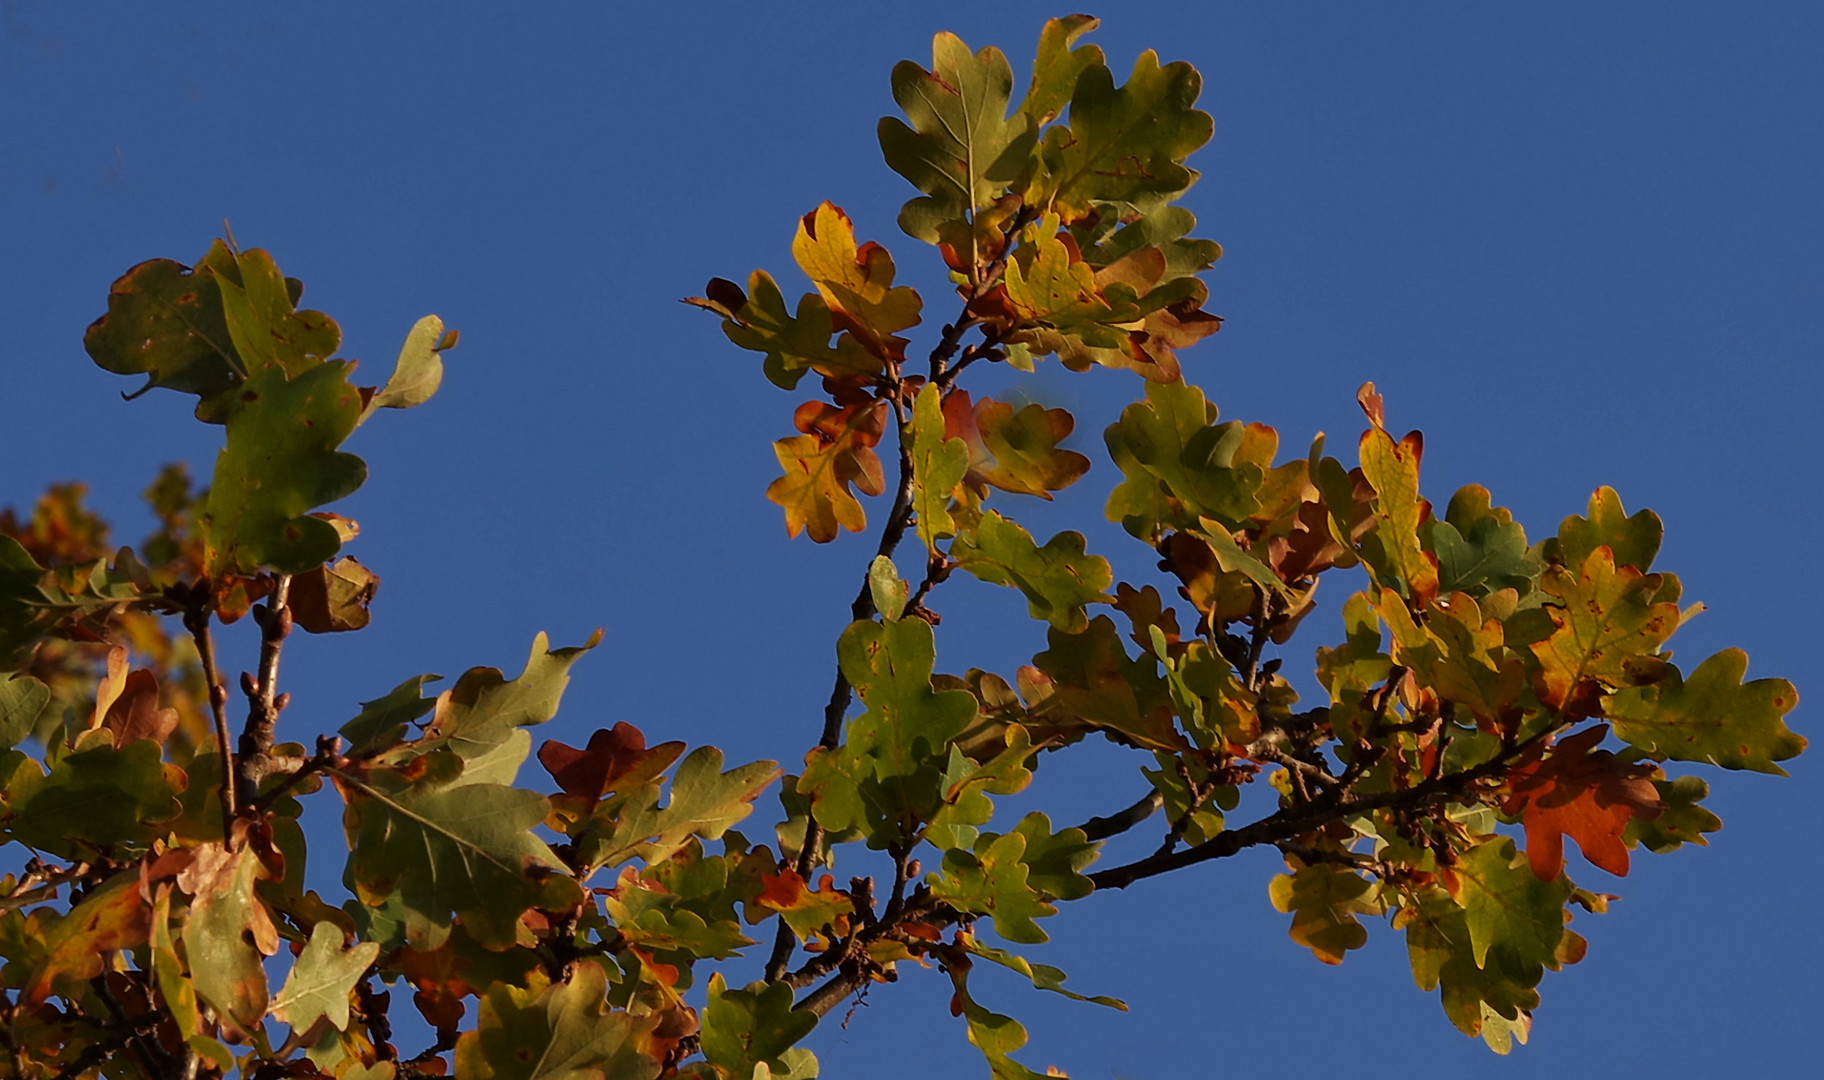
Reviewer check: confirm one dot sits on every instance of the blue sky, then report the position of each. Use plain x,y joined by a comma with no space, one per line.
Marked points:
1575,244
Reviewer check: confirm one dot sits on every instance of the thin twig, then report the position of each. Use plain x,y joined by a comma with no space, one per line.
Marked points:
196,620
1101,828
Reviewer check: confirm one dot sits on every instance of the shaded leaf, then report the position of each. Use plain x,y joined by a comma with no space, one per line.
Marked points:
749,1027
22,699
1506,905
1014,451
95,796
564,1032
483,708
1684,821
793,344
462,849
333,599
1324,900
610,756
228,933
74,946
1632,541
1126,144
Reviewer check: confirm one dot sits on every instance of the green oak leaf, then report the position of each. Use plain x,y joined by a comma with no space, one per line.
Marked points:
792,343
1505,904
165,321
938,465
419,370
1495,1000
1058,66
320,980
382,722
1090,677
1058,580
961,148
1392,551
749,1027
1682,822
484,707
1711,717
228,933
445,848
1606,620
94,797
1043,976
1012,877
280,463
564,1032
263,321
887,589
1126,145
705,802
886,772
651,919
22,698
1179,464
968,784
995,1035
1480,548
1632,540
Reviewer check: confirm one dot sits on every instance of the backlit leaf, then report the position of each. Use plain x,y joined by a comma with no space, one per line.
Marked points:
1127,144
1582,792
229,932
938,465
749,1027
855,282
834,453
1711,717
1324,900
1058,579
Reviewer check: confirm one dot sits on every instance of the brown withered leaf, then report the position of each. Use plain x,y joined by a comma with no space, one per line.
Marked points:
1587,794
834,453
611,758
332,599
136,714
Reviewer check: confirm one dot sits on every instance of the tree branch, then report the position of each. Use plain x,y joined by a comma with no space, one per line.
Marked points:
1292,821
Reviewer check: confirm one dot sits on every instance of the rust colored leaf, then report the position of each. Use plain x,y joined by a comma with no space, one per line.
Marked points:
1587,794
112,917
333,599
606,763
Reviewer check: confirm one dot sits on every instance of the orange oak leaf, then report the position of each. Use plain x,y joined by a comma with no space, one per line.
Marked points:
820,465
807,911
1587,794
610,759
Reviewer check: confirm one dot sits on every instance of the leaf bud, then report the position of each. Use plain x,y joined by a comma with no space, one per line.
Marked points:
249,685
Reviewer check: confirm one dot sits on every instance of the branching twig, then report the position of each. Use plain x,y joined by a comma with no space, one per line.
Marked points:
264,700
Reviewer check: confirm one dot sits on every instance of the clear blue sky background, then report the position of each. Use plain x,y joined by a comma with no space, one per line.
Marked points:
1576,244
